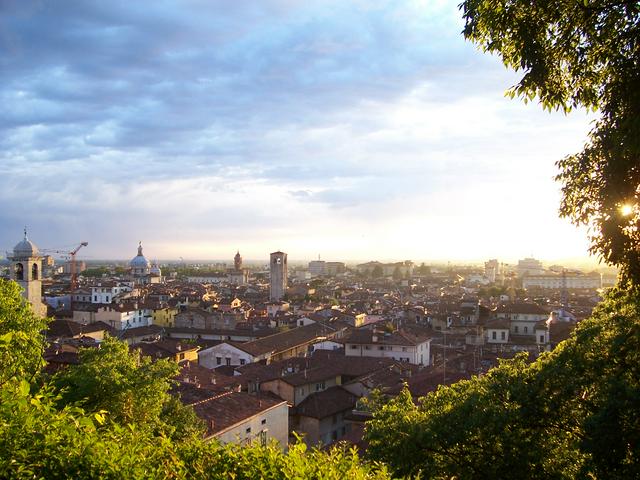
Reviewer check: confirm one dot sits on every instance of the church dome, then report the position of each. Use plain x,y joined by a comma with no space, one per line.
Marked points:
155,270
139,261
26,248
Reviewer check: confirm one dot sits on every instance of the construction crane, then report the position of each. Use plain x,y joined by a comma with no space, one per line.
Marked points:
72,264
72,254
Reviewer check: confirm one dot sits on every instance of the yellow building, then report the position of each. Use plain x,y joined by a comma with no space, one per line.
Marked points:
164,317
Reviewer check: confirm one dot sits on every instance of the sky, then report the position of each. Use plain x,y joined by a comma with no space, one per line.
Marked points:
353,130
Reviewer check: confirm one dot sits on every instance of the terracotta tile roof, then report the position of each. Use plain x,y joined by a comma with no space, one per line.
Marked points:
523,308
285,340
501,323
70,329
142,331
222,411
399,337
326,403
194,374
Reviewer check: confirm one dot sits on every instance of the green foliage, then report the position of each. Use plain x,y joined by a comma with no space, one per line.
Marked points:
397,274
132,388
214,461
493,291
572,413
580,53
21,336
37,440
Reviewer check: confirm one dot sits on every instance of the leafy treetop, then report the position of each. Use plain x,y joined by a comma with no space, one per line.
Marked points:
580,53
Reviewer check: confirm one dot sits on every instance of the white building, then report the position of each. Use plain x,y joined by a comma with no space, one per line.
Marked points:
244,419
522,317
492,270
571,280
317,268
529,266
226,353
399,345
123,316
107,292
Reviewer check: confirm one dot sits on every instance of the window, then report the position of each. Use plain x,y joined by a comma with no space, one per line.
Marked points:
228,360
319,386
95,298
181,356
515,329
367,347
381,347
493,335
503,335
263,438
248,430
218,360
353,347
242,361
404,349
541,338
526,329
264,421
19,271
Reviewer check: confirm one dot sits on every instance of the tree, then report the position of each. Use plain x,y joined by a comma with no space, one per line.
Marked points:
21,336
573,413
583,53
397,274
133,389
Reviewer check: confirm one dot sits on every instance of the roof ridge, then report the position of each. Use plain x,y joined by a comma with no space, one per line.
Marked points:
215,397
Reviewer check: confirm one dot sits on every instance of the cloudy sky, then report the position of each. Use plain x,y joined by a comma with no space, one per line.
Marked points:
355,130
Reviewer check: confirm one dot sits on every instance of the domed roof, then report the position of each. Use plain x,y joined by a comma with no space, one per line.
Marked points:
26,248
155,270
139,261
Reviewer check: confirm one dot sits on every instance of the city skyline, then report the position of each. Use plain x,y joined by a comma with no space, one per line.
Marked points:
342,128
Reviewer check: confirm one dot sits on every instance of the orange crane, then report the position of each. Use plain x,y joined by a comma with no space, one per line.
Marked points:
72,263
74,279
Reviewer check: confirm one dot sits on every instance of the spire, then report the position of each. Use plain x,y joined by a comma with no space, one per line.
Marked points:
140,248
25,233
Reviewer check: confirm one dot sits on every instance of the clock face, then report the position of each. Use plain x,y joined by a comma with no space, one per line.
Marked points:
278,261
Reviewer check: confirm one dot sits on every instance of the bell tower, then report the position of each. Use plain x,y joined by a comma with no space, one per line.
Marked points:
26,270
278,276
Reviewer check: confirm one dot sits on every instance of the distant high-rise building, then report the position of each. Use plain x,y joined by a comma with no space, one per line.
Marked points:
529,266
317,268
335,268
237,261
26,270
278,277
492,270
